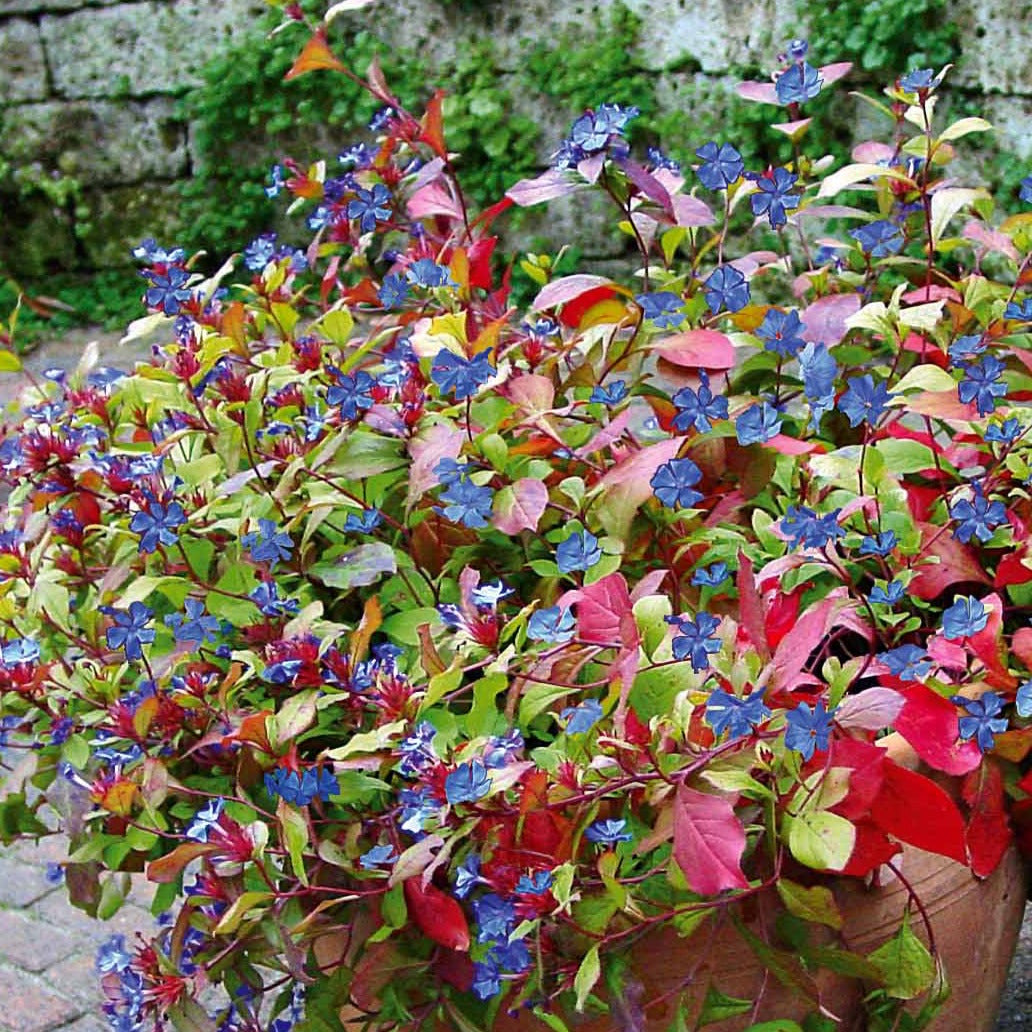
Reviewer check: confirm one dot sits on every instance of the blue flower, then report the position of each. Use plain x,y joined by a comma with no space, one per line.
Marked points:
464,377
553,625
966,348
983,721
698,408
149,251
266,598
536,884
373,858
1023,702
977,517
302,789
879,239
1022,311
881,545
450,471
352,393
428,274
918,79
267,544
467,783
967,616
168,289
808,729
19,651
591,133
130,631
797,49
798,83
758,424
417,808
721,165
663,308
488,596
276,181
54,873
1025,193
393,291
206,819
805,528
417,750
611,395
983,384
819,371
466,503
501,750
780,332
112,955
260,251
659,160
864,400
467,876
695,638
486,981
366,523
889,595
608,833
495,917
195,628
726,712
712,577
370,207
673,483
581,719
580,551
1006,432
726,288
773,198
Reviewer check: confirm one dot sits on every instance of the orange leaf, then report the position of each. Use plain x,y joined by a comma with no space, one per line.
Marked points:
316,55
433,125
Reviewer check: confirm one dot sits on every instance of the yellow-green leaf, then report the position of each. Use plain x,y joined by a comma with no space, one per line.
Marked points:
905,964
815,904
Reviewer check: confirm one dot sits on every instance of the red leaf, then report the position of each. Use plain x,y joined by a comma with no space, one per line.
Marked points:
824,322
604,612
708,842
930,724
697,349
480,252
957,563
1021,645
433,125
436,914
988,831
804,636
866,763
1012,570
872,849
750,606
917,811
316,55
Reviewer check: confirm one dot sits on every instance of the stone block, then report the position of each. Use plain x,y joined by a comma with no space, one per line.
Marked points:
1012,117
31,1007
138,49
99,141
121,217
46,6
996,39
23,67
22,884
30,945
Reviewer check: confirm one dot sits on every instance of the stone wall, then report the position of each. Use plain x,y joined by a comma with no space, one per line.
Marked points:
88,88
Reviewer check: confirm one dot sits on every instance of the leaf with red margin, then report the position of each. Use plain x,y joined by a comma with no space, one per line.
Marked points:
957,563
750,606
605,613
436,914
915,810
931,725
708,842
316,55
988,830
697,349
520,506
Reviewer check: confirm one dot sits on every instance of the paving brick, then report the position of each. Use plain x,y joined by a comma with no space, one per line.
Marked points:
31,945
22,884
29,1006
75,978
87,1023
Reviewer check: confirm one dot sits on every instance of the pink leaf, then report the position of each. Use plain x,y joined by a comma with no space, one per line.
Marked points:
833,72
433,199
567,289
604,612
627,486
427,448
870,710
870,152
808,632
708,842
530,392
698,349
606,436
521,507
648,585
932,292
750,606
785,445
546,187
824,322
690,212
649,185
990,239
591,168
763,92
930,724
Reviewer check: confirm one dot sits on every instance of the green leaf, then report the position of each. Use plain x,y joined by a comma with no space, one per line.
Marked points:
484,715
719,1007
902,456
587,976
816,904
924,377
9,361
358,568
393,908
337,324
230,920
296,716
821,840
551,1020
538,698
295,838
905,964
189,1016
778,1025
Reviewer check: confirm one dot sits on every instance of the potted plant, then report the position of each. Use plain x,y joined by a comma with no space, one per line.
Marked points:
634,657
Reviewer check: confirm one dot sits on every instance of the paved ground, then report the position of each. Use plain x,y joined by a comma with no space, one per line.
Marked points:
47,947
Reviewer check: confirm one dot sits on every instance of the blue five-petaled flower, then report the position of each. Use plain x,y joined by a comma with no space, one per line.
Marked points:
370,207
738,717
982,721
864,400
977,517
809,729
131,631
798,83
721,165
608,833
268,544
772,197
983,384
156,524
700,407
462,376
726,287
695,638
467,783
967,616
552,624
662,308
758,424
674,482
580,551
